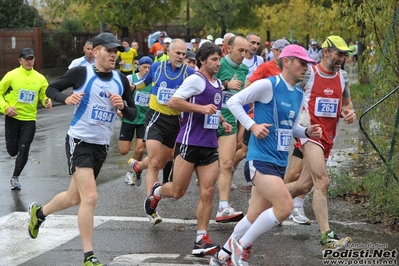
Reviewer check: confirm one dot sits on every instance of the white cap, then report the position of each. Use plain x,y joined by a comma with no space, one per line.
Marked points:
167,40
192,40
219,41
209,37
202,42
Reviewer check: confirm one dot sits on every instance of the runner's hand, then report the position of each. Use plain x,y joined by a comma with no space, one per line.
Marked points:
75,98
209,109
48,103
260,130
11,111
349,116
314,131
117,101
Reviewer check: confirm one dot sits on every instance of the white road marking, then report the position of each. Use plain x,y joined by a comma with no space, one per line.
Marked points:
18,247
139,259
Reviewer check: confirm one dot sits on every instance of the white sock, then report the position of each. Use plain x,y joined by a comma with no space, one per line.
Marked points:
223,204
298,202
156,192
200,234
265,221
239,230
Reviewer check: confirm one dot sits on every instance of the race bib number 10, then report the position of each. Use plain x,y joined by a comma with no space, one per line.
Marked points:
284,139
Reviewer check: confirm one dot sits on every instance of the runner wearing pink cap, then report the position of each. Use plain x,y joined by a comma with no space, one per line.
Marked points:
277,104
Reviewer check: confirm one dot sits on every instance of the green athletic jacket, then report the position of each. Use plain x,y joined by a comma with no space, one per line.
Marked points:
22,89
226,73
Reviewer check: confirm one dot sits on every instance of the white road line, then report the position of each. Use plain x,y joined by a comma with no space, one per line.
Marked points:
139,259
19,247
59,229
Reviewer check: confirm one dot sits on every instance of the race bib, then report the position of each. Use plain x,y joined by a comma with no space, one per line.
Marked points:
25,96
226,96
142,98
101,115
284,139
326,107
212,121
127,66
164,95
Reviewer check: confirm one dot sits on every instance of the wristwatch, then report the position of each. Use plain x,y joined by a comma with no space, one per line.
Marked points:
225,85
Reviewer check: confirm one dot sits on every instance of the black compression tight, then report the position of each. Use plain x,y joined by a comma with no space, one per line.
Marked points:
19,136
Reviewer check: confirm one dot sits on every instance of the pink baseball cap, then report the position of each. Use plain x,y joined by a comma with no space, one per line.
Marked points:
296,51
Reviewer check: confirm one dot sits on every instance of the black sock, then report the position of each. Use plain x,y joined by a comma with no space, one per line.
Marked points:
88,254
166,171
40,214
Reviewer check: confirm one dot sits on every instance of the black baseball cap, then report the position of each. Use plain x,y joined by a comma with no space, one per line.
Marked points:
190,55
107,40
26,52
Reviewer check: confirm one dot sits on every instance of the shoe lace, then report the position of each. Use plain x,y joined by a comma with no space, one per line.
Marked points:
94,261
333,236
154,201
206,239
228,209
245,253
301,211
39,223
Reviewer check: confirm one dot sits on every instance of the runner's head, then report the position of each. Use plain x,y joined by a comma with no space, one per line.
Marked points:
334,52
208,59
144,65
293,62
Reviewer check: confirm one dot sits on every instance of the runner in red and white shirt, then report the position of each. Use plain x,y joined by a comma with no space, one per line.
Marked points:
327,98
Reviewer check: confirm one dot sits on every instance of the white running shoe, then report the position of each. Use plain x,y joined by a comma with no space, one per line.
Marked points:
129,178
136,179
239,253
298,216
233,186
228,214
154,218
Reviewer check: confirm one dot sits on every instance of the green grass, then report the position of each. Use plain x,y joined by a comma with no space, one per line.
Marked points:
377,191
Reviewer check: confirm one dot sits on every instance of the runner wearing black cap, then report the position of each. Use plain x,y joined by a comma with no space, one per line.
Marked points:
20,91
98,93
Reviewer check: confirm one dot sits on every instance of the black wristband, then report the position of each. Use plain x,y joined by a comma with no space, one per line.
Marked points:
222,121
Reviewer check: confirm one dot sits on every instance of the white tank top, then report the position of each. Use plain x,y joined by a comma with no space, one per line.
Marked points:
94,117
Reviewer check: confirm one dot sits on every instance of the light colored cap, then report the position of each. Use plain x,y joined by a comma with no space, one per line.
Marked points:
336,42
219,41
167,40
209,37
192,40
296,51
202,42
280,44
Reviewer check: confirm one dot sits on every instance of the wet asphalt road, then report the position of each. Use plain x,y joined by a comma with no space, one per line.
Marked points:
123,235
